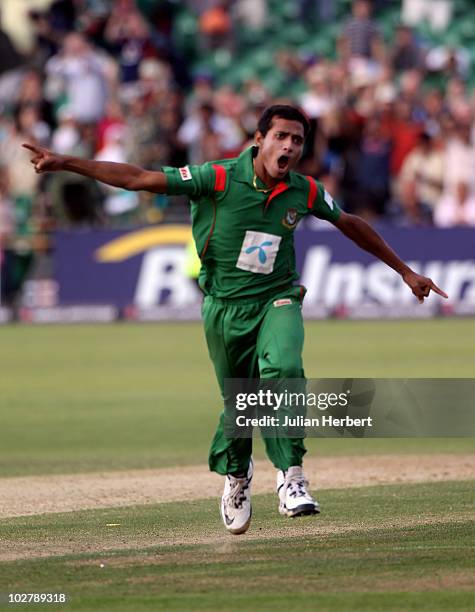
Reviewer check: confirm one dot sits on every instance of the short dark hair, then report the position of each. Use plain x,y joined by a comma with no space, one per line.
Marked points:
282,111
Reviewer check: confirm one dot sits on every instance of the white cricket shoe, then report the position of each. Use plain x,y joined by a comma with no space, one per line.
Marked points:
236,507
294,498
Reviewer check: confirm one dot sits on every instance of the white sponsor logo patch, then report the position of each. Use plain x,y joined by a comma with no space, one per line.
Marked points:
258,252
185,173
328,199
282,302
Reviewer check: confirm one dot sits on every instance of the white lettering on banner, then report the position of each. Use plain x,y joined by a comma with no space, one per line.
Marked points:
327,283
345,284
314,269
382,281
353,282
460,275
162,270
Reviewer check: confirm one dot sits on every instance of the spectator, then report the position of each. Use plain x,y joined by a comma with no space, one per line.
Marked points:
402,131
456,96
10,58
318,100
406,54
201,93
132,102
318,103
119,204
202,134
252,14
448,62
81,76
142,144
437,12
212,126
113,116
18,188
215,26
11,64
361,36
75,200
327,154
421,180
170,152
7,213
289,68
373,169
457,203
155,80
7,231
350,136
255,94
433,105
318,11
23,184
339,82
410,84
129,37
66,136
31,125
47,41
63,14
30,92
229,107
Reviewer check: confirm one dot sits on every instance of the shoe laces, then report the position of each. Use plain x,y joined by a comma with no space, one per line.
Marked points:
237,496
296,486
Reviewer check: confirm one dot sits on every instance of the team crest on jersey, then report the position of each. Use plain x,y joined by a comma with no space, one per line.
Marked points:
290,218
185,173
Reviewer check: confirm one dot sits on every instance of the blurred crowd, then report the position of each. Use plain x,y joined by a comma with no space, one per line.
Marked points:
392,120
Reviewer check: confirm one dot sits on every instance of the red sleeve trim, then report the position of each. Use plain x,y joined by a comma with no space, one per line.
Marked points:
312,192
220,180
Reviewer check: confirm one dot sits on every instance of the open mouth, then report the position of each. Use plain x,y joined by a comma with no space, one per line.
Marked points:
283,162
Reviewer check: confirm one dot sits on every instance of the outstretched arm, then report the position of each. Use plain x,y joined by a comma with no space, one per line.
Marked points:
126,176
368,239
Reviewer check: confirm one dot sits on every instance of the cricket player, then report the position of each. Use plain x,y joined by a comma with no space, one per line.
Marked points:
244,214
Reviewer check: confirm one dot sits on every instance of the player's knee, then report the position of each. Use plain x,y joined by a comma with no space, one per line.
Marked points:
287,368
291,370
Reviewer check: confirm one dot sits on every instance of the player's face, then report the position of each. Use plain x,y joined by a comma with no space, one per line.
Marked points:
281,148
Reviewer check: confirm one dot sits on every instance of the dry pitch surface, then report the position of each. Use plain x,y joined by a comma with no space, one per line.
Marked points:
66,493
35,495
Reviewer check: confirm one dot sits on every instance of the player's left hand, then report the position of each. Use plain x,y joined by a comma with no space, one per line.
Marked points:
421,286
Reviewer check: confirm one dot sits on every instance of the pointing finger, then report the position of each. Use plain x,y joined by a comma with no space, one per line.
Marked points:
31,147
436,289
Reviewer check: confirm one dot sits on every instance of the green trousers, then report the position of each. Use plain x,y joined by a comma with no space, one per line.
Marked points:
254,339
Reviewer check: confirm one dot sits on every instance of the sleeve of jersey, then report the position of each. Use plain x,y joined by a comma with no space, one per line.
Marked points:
193,181
324,206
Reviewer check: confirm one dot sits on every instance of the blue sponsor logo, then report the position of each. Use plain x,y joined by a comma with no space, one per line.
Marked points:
260,249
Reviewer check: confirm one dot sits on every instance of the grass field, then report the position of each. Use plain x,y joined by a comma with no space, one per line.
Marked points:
349,559
90,398
122,396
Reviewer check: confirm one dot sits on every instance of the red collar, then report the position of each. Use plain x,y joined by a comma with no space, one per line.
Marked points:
278,189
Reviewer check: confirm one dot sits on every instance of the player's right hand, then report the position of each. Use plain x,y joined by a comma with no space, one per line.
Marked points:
44,160
421,286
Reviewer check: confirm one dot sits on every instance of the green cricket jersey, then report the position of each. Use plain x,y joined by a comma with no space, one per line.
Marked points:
245,237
